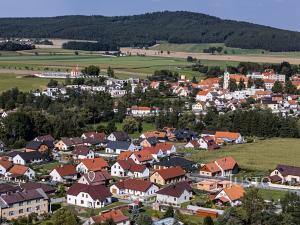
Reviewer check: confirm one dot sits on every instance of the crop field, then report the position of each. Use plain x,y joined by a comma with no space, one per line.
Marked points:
259,157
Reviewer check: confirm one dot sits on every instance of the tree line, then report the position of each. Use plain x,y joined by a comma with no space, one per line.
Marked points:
14,46
144,30
90,46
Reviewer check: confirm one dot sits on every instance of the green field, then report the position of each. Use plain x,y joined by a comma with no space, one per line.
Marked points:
198,48
9,81
259,157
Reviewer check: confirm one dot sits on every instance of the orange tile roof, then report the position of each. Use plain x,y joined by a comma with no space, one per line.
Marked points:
171,172
159,146
116,215
234,192
156,134
225,134
226,163
212,167
18,169
140,108
95,164
143,155
238,77
202,93
65,170
124,155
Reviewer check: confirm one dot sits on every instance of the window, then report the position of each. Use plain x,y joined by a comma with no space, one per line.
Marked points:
174,199
82,202
20,211
11,213
37,207
28,209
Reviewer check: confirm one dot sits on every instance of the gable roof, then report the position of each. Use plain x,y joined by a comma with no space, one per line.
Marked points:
175,190
164,147
177,161
155,134
103,175
121,136
47,137
288,170
18,170
97,192
116,215
125,155
95,135
226,163
143,155
72,141
34,145
6,188
65,170
81,150
170,173
131,165
134,184
35,185
95,164
234,192
27,156
229,135
124,145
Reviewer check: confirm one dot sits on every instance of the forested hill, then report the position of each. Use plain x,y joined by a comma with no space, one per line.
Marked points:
146,29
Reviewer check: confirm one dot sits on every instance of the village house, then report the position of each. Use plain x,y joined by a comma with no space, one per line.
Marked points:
134,189
228,137
128,168
41,146
160,136
119,136
96,164
45,138
94,138
23,158
221,167
285,174
187,165
6,189
64,173
149,142
168,176
30,185
142,157
21,204
95,178
116,147
212,185
231,195
175,194
18,172
82,152
89,196
5,165
115,215
161,150
142,111
66,144
204,142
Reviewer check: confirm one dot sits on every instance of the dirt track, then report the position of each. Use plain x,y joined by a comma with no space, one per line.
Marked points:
204,56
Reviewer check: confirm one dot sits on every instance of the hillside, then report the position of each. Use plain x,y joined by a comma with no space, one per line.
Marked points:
146,29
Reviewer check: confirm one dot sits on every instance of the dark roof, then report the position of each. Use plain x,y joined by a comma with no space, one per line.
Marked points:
118,145
152,140
23,196
27,156
288,170
34,145
185,134
47,137
99,192
81,150
175,190
34,185
121,136
100,176
6,188
130,165
187,165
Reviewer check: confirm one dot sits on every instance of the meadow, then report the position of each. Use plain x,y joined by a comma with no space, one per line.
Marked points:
257,158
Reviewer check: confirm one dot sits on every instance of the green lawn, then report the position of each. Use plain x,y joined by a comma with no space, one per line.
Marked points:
259,157
46,168
272,194
9,81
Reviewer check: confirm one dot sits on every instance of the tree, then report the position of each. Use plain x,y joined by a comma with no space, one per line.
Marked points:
91,71
289,88
194,80
169,212
232,86
259,83
64,216
250,82
143,219
52,83
208,221
140,126
110,72
277,88
241,85
111,127
130,125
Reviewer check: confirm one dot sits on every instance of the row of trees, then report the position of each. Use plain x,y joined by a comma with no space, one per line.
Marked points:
14,46
90,46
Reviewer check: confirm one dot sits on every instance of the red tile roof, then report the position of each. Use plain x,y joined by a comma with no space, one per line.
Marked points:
5,163
175,190
66,170
18,169
131,165
170,173
134,184
116,215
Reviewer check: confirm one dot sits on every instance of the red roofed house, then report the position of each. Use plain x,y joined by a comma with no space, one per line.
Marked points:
134,189
5,165
228,137
128,168
83,152
115,215
96,164
168,176
90,196
19,171
161,150
64,173
142,157
221,167
95,178
94,138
